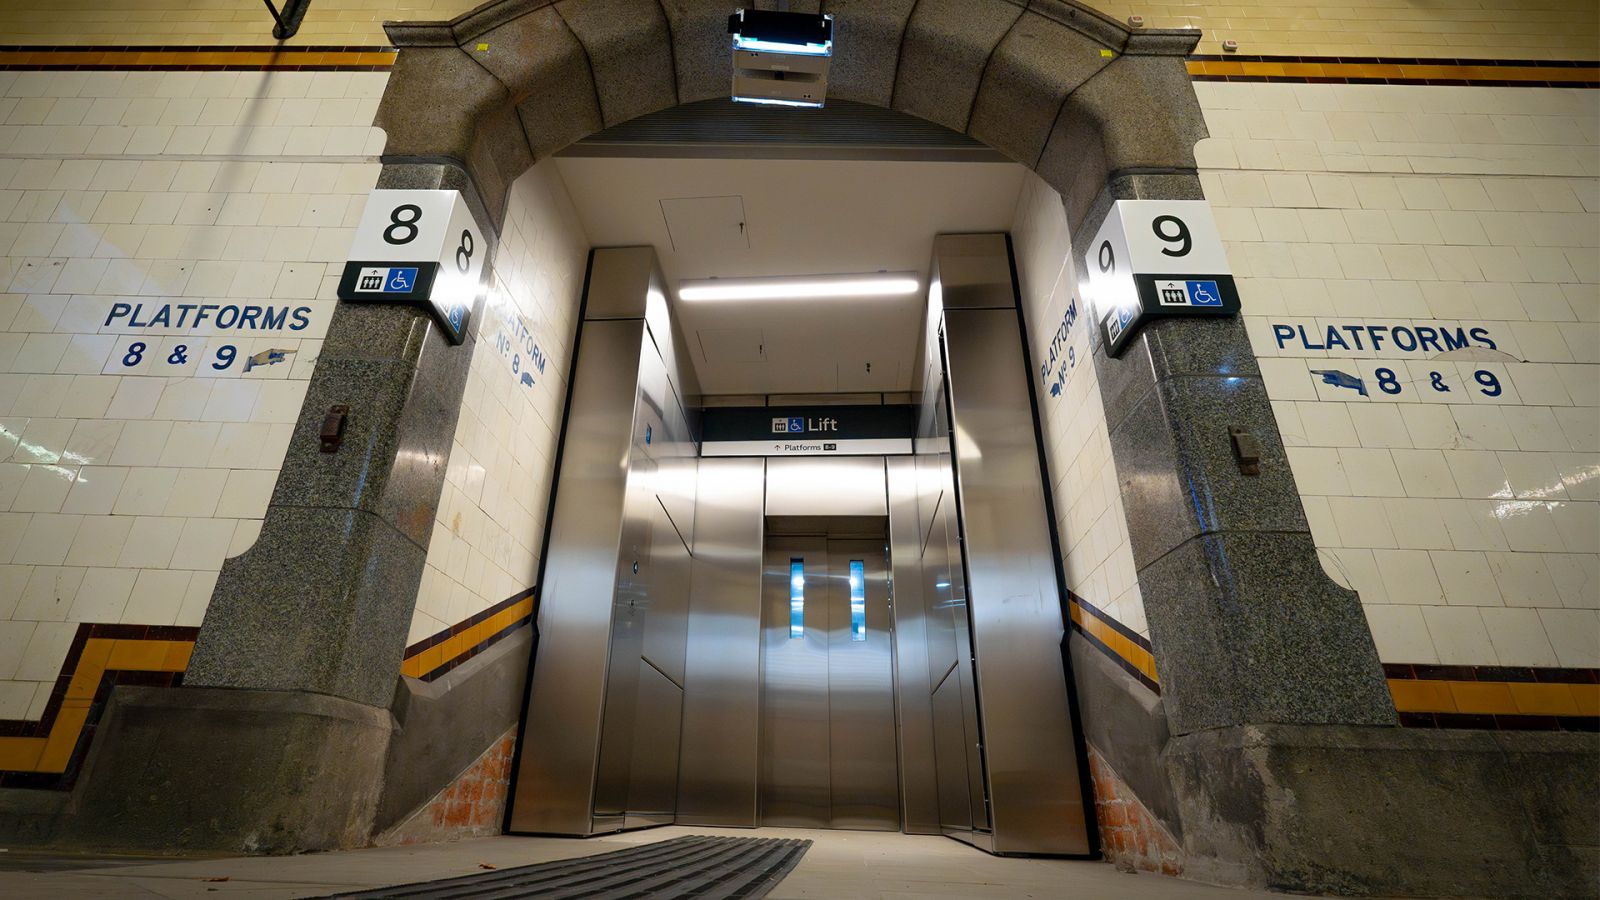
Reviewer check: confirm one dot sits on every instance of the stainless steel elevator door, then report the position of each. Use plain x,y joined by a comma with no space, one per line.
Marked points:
828,753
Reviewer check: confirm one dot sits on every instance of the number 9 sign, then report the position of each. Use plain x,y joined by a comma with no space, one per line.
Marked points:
1156,257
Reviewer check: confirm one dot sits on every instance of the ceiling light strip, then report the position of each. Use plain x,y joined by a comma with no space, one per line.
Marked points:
801,287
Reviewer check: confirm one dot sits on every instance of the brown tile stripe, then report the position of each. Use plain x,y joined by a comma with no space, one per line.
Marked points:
1382,70
1230,67
100,655
180,58
1126,647
438,653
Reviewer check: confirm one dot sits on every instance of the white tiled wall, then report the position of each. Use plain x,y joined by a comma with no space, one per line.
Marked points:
127,476
1092,526
490,525
1461,494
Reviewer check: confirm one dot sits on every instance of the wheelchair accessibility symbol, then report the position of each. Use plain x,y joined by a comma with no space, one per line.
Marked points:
1204,293
401,280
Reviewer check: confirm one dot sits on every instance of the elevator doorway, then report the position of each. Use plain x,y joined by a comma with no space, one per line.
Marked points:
827,751
926,694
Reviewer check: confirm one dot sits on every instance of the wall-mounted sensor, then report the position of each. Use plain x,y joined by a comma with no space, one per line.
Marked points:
1230,46
781,58
1136,21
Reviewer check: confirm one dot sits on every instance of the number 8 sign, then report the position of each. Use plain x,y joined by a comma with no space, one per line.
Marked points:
1156,258
421,248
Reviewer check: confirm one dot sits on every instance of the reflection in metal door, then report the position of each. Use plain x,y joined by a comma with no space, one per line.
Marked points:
827,691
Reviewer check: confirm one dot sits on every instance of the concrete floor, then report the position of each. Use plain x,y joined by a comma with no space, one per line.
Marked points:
841,865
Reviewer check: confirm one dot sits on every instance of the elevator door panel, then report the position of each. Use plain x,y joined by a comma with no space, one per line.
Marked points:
628,619
828,752
653,778
950,753
958,749
865,779
795,784
936,574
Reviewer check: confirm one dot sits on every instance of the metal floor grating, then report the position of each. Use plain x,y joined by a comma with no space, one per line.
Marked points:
698,866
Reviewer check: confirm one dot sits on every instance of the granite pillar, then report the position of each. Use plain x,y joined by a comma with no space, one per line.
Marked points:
1279,765
1246,625
322,602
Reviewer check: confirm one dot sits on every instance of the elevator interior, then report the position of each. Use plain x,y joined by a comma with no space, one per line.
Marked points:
827,682
868,642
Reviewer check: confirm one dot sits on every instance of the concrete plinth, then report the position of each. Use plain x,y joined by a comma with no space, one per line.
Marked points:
1362,811
234,771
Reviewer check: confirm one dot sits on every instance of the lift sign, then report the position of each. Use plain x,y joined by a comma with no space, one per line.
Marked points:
386,281
807,430
803,425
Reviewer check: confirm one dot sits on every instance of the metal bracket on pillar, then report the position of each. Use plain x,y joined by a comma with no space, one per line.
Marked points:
288,19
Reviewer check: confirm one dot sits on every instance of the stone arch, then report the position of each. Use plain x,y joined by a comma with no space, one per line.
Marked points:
1100,112
310,622
1052,84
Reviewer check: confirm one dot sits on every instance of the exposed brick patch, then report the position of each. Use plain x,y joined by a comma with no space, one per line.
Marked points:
471,806
1130,836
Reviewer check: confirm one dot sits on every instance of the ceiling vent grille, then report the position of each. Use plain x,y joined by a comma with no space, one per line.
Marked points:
840,130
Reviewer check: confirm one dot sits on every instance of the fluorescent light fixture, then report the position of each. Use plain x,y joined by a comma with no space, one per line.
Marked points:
772,101
757,45
780,58
882,284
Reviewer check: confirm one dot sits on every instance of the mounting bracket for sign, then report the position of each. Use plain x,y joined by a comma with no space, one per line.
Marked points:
1155,258
288,20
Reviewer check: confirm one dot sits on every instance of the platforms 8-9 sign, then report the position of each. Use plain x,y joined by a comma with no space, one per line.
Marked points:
1154,258
419,248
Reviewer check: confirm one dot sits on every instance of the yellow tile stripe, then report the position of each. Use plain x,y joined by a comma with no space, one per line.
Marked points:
1423,71
1410,695
1135,655
1505,698
50,754
426,661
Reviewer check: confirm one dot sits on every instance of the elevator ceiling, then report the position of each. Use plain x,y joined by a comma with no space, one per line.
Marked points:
729,218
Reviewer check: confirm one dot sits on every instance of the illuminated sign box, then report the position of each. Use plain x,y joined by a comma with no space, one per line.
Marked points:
808,430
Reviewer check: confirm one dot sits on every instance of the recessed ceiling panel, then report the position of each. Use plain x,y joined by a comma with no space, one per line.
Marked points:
731,345
706,224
